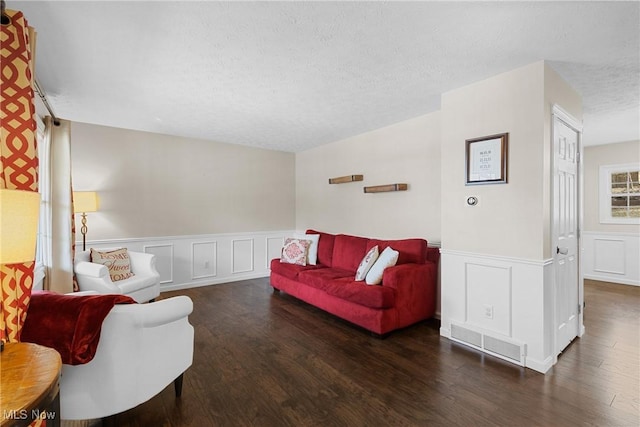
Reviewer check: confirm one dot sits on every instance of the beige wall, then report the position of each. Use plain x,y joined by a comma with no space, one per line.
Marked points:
511,219
159,185
406,152
601,155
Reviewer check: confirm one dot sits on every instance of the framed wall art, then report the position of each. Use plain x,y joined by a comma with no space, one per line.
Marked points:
486,160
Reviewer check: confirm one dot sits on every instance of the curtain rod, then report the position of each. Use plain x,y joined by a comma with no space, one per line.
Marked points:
5,18
43,97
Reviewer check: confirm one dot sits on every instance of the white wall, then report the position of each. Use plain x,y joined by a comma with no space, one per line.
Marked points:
612,257
158,185
406,152
603,155
497,254
610,251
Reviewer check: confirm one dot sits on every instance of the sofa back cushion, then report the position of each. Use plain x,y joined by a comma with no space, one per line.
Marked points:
348,251
411,250
325,247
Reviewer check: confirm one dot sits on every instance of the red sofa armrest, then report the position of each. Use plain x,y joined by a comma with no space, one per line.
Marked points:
415,286
433,255
403,276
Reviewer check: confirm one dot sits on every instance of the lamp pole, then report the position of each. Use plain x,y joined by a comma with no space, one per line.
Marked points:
84,230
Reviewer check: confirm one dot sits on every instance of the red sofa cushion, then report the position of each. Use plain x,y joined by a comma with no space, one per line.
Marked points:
325,247
322,277
411,250
290,270
348,251
360,293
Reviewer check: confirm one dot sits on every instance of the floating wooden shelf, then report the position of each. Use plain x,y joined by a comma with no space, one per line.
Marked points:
344,179
385,188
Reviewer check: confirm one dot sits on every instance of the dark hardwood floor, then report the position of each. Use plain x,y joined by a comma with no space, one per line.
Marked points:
265,359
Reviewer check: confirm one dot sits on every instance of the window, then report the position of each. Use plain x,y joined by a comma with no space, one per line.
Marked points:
620,194
41,171
39,271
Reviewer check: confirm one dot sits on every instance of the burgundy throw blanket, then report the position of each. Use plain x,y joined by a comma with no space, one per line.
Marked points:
69,324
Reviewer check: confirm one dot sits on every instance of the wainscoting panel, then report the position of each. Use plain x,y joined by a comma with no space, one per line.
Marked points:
241,255
204,259
208,259
164,260
503,303
274,248
609,256
612,257
488,297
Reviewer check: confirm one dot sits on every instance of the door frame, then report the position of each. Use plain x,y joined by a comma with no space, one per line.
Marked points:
559,113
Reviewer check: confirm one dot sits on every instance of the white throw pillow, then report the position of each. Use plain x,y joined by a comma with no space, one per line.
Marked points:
366,263
387,258
313,248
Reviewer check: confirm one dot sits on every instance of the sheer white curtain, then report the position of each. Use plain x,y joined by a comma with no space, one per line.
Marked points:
57,219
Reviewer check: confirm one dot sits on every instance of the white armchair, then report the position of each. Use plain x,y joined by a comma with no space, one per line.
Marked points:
142,349
142,287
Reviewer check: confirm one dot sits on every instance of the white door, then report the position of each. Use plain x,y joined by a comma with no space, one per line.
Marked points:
565,225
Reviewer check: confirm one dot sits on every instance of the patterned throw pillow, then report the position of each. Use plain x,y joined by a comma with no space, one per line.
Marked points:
117,262
312,256
295,251
366,263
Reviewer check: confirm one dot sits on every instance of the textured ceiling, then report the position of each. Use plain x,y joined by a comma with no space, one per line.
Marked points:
294,75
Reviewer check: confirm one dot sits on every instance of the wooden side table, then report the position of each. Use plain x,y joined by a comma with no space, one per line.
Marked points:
30,388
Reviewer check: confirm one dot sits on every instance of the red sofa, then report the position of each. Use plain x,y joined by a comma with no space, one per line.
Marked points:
407,294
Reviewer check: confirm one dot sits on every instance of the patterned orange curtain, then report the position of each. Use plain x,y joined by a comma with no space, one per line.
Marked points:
18,156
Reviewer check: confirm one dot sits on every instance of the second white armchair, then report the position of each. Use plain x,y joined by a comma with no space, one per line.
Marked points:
144,286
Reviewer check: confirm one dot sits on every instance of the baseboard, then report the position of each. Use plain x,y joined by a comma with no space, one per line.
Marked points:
539,366
211,282
612,279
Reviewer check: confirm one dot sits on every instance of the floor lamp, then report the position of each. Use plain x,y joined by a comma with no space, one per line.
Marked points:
83,202
19,214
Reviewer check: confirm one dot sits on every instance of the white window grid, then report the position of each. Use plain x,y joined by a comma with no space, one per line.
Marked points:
620,194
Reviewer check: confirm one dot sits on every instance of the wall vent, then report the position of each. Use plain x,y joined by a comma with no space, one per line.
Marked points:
466,335
503,348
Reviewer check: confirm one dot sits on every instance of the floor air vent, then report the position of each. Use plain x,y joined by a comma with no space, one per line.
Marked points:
466,335
511,351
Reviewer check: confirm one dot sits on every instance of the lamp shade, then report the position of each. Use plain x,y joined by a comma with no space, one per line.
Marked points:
85,201
19,212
